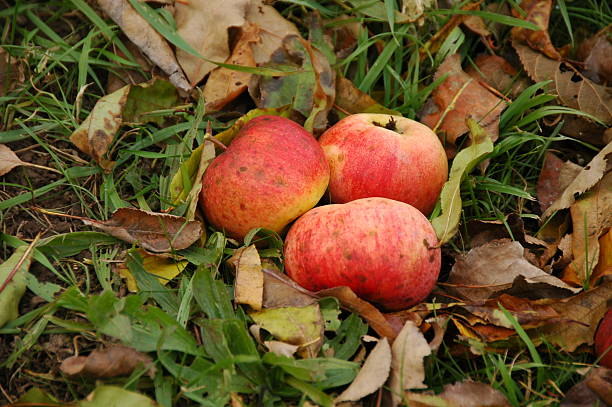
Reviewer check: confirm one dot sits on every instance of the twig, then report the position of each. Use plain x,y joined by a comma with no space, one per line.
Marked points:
17,267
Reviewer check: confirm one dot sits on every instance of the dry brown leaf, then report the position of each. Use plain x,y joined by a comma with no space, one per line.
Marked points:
497,73
604,265
249,284
594,390
584,129
8,160
584,311
138,30
281,348
273,28
538,12
493,267
477,25
460,394
373,373
591,219
407,369
572,89
203,24
223,84
157,232
280,291
95,135
586,179
352,100
596,52
349,300
458,98
114,361
555,176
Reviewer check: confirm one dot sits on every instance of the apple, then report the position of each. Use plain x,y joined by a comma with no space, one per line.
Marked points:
386,251
603,340
386,156
271,173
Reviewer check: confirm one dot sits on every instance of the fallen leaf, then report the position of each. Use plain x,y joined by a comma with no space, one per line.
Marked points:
596,52
572,89
594,390
349,99
604,265
203,24
555,176
538,12
13,282
584,129
273,28
140,32
193,170
249,284
114,361
8,160
36,396
586,179
105,396
376,9
95,135
165,268
493,267
591,219
281,348
349,300
127,75
311,91
407,370
156,94
157,232
224,84
584,311
301,326
460,394
481,232
458,98
373,373
497,73
447,223
477,25
280,291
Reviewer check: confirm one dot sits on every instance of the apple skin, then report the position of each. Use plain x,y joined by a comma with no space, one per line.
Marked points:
386,251
271,173
368,160
603,340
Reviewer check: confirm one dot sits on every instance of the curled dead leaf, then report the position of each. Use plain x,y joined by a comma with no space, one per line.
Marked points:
140,32
596,52
538,12
157,232
114,361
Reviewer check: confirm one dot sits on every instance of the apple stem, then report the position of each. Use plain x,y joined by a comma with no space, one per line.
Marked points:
390,125
208,136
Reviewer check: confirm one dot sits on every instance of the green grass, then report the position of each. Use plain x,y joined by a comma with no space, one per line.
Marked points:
198,339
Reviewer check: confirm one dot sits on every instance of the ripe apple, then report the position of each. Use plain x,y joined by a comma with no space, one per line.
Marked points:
272,172
386,156
603,340
386,251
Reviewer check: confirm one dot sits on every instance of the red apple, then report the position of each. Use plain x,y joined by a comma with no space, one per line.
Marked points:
272,172
387,156
603,340
385,250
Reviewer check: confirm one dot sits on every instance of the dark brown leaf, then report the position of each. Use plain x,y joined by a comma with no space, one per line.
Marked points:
572,89
460,394
458,98
594,390
493,267
556,175
497,73
114,361
596,52
157,232
538,12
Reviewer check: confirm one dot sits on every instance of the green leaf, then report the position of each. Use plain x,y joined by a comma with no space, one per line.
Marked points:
71,244
212,295
186,184
348,337
311,391
295,325
106,396
36,396
447,223
144,98
228,135
13,282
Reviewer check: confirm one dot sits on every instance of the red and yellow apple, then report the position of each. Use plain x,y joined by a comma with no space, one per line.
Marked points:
603,340
271,173
386,251
377,155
